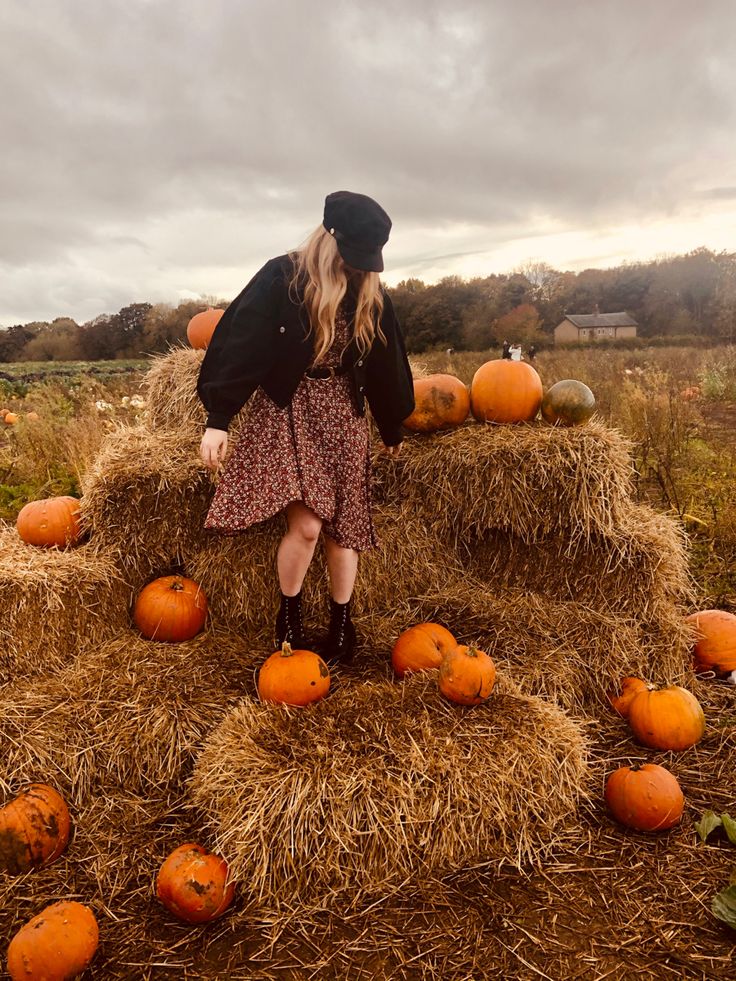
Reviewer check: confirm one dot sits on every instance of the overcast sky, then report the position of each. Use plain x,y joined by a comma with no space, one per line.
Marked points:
163,149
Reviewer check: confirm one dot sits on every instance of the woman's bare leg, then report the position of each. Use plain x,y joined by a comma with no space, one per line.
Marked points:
297,546
342,565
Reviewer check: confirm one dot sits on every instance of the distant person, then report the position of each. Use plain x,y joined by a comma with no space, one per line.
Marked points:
515,352
505,350
532,352
450,351
304,449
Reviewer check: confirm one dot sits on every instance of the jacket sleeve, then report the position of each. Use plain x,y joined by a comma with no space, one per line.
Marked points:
241,351
389,386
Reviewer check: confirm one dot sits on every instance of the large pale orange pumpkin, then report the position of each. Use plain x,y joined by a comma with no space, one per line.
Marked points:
467,675
568,403
646,797
34,829
192,884
441,402
171,608
292,677
202,326
715,646
421,647
505,391
56,945
670,718
52,522
629,688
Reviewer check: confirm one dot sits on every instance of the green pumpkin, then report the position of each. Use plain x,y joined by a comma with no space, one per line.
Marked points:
568,403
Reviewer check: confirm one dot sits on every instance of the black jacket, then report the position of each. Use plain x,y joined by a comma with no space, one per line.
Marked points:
261,339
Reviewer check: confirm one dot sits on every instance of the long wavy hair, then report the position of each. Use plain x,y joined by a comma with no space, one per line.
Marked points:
321,280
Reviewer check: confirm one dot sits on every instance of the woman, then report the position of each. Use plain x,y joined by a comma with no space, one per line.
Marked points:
312,337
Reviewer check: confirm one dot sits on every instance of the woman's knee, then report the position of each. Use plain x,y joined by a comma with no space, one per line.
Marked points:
305,524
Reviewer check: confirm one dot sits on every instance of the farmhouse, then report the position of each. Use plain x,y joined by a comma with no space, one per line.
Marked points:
594,327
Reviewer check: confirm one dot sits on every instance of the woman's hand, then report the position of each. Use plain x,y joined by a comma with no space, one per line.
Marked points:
392,451
213,447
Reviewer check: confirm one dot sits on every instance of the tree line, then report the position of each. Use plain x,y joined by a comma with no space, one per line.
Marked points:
691,295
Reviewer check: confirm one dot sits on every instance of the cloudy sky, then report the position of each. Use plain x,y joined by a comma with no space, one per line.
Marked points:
163,149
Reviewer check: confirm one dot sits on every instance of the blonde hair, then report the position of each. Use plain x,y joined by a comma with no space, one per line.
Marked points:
320,281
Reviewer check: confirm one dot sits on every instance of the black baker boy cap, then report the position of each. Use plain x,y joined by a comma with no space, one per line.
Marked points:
360,227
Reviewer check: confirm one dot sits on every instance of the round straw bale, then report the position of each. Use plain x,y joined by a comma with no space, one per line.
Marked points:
381,782
54,603
129,714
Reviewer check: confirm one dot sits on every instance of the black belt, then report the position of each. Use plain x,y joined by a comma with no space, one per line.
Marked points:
325,372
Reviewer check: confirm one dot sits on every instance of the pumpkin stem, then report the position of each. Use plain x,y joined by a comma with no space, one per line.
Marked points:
635,767
472,651
177,586
286,650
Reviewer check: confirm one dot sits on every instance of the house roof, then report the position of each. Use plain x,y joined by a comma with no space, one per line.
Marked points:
601,319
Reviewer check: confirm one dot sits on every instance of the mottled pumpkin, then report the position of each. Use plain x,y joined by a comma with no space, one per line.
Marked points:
192,884
52,522
646,797
34,829
629,688
441,402
568,403
170,609
421,647
56,945
293,677
202,326
669,718
715,644
467,675
505,391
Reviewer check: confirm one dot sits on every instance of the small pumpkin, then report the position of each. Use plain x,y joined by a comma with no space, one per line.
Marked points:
421,647
440,402
192,884
568,403
52,522
34,829
715,647
505,391
11,418
669,718
629,687
171,608
56,945
467,675
645,796
202,326
292,677
32,416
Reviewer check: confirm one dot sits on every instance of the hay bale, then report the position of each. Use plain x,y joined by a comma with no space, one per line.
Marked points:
54,603
145,499
382,782
129,715
529,480
170,391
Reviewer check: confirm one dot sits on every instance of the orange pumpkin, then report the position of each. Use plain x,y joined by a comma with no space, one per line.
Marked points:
421,647
11,418
441,402
171,608
192,884
202,326
56,945
293,677
715,648
670,718
568,403
467,675
32,416
629,687
34,829
646,797
52,522
505,391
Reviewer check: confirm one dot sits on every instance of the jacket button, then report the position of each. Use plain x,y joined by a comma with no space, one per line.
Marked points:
362,389
282,330
360,364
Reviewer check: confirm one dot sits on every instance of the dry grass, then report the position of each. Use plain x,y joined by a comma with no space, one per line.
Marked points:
53,603
380,783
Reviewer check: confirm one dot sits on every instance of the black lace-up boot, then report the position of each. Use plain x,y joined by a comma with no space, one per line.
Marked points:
289,625
341,638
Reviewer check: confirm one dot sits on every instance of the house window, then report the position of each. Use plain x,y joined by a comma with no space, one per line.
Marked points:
583,332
